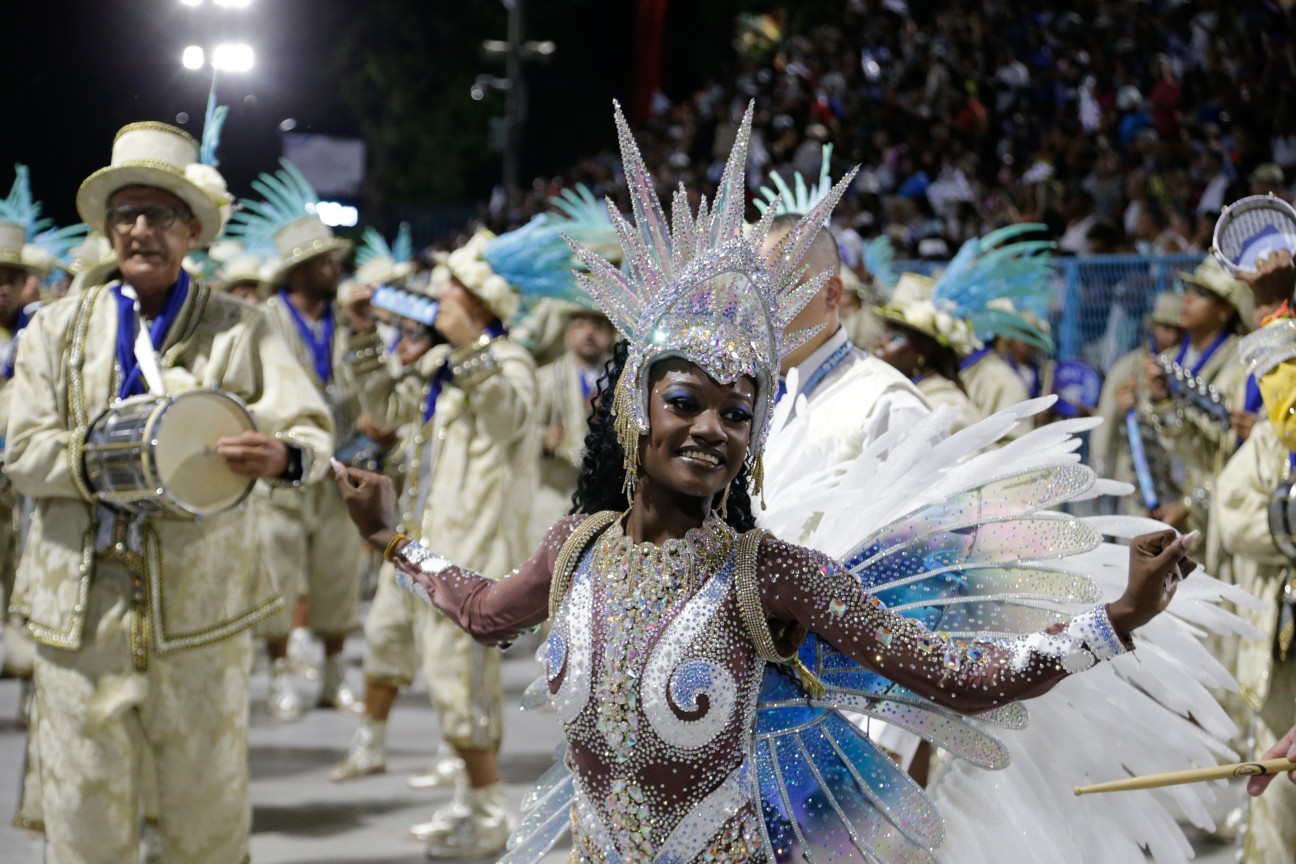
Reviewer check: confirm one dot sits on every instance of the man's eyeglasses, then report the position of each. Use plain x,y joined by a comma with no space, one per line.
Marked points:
158,216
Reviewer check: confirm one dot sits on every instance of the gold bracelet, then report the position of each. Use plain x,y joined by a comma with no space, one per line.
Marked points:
390,553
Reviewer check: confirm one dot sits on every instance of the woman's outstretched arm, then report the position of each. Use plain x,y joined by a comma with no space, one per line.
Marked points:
813,593
491,611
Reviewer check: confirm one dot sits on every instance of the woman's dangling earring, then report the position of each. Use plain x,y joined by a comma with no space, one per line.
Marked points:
723,508
758,478
627,433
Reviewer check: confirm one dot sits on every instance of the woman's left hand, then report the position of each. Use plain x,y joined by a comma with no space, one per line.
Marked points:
371,503
1157,563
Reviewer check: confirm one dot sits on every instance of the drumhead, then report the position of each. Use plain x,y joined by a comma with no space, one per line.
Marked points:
1252,228
188,469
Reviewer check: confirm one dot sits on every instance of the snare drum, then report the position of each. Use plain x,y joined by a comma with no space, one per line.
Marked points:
156,455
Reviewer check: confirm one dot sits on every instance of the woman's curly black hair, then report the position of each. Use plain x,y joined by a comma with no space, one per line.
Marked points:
603,467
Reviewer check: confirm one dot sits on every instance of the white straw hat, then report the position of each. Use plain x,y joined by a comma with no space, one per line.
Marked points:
164,157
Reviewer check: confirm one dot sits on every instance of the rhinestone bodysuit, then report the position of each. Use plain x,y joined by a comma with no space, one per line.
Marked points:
655,677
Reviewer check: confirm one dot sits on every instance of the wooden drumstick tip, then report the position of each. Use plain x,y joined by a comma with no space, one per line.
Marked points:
1193,775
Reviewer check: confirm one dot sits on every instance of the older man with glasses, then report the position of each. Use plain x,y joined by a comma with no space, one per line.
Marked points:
142,621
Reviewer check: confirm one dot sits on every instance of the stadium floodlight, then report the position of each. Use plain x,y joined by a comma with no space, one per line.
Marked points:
232,57
335,214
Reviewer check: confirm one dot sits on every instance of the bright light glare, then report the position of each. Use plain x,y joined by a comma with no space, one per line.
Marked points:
234,4
192,57
232,58
337,215
191,2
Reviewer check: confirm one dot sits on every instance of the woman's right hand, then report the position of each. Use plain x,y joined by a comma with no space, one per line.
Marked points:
370,501
1157,562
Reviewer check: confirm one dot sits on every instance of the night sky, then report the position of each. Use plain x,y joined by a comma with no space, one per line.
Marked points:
77,70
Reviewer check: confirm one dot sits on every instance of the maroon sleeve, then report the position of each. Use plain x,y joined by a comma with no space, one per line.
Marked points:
492,612
810,592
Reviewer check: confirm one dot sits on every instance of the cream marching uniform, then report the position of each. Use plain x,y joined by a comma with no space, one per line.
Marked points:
940,391
391,634
17,651
566,388
1111,449
1200,442
854,397
992,385
142,623
1266,667
309,545
474,465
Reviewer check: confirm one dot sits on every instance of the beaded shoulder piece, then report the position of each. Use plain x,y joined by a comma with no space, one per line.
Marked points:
569,555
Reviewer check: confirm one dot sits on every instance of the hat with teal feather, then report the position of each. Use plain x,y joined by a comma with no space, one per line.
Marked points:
44,246
162,156
285,219
981,293
381,263
537,258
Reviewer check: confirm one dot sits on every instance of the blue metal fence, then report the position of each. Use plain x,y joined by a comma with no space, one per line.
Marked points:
1099,300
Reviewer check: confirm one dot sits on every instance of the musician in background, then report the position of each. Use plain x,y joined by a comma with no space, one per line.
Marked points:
566,390
141,622
306,549
1215,308
14,271
1256,483
475,477
392,633
1143,464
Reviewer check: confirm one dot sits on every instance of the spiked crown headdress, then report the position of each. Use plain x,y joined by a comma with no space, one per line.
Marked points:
698,287
286,220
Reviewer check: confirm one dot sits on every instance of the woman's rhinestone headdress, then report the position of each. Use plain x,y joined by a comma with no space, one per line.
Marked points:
699,287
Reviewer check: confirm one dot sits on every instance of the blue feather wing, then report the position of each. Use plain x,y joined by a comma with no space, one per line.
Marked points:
976,566
829,795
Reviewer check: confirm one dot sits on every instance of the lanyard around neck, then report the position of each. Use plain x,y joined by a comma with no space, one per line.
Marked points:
1206,355
136,345
318,342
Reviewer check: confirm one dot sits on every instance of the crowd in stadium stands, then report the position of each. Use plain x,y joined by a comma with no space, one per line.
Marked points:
1125,126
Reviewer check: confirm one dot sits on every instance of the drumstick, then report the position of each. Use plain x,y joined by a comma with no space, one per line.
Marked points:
1194,775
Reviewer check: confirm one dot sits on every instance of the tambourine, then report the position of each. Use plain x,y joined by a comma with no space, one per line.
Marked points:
1251,229
1282,519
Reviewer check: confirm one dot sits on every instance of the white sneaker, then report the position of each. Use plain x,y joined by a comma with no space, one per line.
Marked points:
285,704
442,818
303,654
334,692
445,772
368,753
483,832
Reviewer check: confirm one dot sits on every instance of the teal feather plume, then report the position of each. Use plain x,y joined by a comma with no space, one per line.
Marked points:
999,266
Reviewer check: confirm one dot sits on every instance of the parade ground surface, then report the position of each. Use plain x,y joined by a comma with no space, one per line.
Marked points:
299,817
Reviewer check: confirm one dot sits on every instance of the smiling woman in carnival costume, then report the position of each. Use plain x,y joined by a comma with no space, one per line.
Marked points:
696,664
